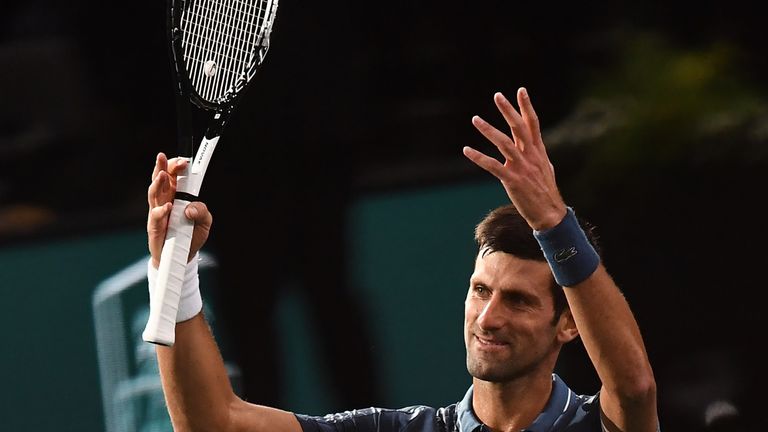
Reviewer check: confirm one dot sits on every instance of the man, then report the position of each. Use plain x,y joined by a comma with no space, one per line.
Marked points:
514,325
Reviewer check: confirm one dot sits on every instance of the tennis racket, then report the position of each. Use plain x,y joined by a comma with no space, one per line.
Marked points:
216,47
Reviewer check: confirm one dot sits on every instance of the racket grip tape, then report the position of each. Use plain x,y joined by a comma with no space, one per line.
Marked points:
164,301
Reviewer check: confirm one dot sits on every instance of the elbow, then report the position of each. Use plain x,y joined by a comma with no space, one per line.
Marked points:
207,421
211,424
640,388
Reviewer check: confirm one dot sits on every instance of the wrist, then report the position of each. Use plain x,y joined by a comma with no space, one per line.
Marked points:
190,299
568,251
550,220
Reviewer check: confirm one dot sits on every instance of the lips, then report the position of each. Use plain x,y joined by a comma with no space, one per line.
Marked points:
490,342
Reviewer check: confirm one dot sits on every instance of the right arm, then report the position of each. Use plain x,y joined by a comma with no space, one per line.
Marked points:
195,382
198,392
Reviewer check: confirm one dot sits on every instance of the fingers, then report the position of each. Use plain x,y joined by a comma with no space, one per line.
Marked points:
514,120
161,164
157,225
504,143
177,165
159,190
485,162
529,115
163,184
171,166
158,219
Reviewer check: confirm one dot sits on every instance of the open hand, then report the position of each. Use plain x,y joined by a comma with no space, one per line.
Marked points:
526,174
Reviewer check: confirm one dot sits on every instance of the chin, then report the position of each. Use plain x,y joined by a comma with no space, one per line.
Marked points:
489,373
492,377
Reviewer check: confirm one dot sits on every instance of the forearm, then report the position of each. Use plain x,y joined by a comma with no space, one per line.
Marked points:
613,342
195,382
609,331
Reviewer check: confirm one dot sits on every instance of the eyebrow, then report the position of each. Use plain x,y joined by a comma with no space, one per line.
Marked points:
477,281
518,294
486,250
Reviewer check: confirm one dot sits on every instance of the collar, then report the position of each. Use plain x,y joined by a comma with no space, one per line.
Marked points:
468,422
561,401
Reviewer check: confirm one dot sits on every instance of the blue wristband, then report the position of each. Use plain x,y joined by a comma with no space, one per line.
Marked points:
569,254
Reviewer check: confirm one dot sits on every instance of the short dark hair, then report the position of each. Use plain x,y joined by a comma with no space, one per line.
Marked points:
505,230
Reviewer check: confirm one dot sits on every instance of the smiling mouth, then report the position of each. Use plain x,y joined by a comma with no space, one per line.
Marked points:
490,343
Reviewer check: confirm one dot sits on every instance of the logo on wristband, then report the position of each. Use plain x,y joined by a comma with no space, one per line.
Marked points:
564,254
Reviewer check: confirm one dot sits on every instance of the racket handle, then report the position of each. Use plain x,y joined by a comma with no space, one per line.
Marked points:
164,302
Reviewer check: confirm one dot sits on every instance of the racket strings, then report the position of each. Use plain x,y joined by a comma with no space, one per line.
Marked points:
223,42
201,64
204,43
213,30
233,12
241,23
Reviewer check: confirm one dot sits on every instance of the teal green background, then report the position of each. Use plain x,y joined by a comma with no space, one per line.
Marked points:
50,378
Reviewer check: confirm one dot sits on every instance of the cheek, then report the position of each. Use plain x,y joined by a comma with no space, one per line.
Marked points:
469,311
469,317
467,328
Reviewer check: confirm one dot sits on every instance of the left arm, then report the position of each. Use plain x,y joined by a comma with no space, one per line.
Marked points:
603,317
614,344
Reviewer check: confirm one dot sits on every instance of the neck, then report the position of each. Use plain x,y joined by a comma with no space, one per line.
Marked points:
512,405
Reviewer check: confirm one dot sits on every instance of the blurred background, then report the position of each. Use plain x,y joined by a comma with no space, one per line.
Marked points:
344,208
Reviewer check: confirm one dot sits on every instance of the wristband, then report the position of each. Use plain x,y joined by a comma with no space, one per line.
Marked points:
190,300
568,251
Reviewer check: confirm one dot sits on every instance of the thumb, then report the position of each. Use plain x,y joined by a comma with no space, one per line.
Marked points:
198,213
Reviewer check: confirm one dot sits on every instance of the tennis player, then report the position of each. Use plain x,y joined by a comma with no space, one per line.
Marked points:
538,284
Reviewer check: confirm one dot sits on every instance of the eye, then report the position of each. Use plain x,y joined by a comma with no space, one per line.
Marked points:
520,301
481,291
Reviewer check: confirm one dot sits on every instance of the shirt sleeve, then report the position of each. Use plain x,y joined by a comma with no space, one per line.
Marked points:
414,418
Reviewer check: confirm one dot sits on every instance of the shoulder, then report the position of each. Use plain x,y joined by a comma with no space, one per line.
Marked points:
569,411
585,415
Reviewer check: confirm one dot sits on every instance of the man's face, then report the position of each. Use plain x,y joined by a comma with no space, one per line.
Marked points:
508,325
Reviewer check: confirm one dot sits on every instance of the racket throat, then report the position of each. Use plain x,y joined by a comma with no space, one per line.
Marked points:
203,157
189,182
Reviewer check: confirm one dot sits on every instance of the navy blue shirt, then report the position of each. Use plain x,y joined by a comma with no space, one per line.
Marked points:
565,412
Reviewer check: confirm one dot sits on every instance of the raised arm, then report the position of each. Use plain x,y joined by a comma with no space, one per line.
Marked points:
195,382
603,317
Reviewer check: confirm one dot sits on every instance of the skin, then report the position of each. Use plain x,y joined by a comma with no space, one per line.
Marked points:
511,342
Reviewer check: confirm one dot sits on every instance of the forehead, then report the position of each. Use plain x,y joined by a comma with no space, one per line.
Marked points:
502,271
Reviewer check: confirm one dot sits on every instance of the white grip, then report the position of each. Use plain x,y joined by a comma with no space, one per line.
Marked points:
164,302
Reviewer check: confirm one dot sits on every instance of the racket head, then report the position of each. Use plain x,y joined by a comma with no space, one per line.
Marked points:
217,46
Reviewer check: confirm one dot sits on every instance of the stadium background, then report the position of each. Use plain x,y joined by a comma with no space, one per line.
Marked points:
348,146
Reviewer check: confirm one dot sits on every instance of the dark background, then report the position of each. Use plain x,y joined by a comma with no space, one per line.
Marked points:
655,115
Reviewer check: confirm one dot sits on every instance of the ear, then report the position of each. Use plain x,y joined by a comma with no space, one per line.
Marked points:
566,327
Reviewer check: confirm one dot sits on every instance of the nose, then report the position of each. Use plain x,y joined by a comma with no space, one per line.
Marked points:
492,314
